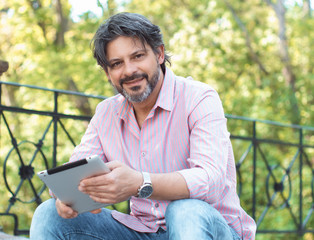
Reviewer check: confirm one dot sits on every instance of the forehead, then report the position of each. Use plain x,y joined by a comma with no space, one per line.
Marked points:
124,46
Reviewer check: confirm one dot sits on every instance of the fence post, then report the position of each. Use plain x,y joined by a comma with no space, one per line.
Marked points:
301,182
55,130
254,170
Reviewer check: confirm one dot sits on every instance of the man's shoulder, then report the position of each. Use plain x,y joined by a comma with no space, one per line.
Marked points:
191,87
191,93
110,103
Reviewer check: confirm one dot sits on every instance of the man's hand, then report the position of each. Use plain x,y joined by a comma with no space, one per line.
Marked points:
119,185
64,210
67,212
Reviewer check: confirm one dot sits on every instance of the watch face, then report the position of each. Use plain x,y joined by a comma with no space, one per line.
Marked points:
146,191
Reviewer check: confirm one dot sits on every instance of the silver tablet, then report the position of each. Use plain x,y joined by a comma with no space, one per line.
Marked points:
63,181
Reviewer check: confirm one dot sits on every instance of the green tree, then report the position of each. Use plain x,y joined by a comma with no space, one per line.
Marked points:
257,54
236,47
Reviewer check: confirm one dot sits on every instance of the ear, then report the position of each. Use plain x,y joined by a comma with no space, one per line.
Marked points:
161,54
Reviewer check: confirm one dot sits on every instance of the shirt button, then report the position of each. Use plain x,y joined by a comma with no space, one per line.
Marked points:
156,205
143,154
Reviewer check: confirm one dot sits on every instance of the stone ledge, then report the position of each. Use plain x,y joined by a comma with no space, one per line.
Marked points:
4,236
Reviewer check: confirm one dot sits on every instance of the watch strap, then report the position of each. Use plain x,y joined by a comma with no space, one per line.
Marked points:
146,177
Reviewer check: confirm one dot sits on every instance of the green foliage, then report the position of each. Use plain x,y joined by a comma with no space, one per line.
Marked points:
206,41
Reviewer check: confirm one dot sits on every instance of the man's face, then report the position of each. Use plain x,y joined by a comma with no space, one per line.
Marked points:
134,69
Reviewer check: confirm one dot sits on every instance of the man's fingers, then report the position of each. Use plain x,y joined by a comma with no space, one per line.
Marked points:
65,211
103,179
96,211
100,183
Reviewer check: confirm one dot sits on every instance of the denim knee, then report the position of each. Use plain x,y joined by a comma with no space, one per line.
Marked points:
45,209
48,205
195,219
188,208
42,217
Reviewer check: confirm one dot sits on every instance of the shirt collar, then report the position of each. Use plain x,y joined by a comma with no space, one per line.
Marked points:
123,106
166,94
164,100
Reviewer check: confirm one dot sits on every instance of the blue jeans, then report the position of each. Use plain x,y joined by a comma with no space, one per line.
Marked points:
186,219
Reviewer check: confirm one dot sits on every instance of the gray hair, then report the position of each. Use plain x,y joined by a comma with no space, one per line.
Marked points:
127,25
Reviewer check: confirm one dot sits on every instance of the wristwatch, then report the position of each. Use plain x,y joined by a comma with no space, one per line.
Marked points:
146,190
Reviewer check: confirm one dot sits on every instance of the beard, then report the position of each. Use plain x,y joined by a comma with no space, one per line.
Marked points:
135,95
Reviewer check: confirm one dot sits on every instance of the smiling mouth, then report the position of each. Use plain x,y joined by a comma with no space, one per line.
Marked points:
133,82
133,79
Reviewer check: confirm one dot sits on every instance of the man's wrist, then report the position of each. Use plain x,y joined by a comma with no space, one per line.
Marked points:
146,189
139,183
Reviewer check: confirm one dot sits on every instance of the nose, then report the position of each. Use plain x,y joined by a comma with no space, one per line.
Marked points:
129,68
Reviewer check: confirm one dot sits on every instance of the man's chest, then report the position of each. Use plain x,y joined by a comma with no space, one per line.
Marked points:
161,145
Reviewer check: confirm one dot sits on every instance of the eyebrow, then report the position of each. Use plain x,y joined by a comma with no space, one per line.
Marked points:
139,51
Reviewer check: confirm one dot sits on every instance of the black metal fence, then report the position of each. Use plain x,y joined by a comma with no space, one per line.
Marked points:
274,160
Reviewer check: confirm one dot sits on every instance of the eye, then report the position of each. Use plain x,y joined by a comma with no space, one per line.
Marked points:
140,55
115,64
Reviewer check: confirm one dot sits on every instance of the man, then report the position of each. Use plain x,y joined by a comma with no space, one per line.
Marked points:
165,140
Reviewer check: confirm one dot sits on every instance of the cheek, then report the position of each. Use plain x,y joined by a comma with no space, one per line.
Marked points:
113,78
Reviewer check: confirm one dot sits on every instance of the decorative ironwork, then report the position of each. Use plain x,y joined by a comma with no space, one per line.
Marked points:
283,183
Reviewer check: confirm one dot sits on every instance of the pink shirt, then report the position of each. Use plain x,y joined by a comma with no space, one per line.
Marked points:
184,132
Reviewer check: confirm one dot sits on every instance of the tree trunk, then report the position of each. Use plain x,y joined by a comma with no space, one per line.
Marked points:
307,8
62,25
4,66
9,98
80,102
287,69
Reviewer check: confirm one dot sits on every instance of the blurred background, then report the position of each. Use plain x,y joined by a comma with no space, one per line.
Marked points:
257,54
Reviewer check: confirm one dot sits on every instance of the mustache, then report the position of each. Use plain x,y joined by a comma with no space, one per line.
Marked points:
132,77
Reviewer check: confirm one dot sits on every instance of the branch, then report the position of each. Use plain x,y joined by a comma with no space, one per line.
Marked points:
111,7
4,10
270,3
99,4
35,5
248,41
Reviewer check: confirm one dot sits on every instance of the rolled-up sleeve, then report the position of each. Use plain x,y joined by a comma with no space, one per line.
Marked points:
209,144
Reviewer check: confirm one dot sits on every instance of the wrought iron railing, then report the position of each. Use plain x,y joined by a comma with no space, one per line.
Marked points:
274,160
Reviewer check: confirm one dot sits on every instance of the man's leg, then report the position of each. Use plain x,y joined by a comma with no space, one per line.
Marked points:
48,225
194,219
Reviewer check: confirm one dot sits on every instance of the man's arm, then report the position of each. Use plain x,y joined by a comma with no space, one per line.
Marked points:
123,182
210,151
169,186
